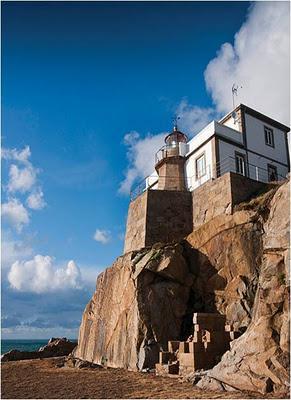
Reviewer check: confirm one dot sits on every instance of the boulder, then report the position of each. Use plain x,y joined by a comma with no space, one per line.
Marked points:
56,347
16,355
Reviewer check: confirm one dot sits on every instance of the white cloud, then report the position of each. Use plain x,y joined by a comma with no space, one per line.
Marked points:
101,236
15,213
259,61
193,118
12,250
141,156
21,179
21,156
35,200
39,275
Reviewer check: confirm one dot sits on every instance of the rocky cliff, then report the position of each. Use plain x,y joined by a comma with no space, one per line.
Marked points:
234,264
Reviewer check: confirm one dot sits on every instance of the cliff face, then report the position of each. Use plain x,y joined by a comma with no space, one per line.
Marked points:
234,264
259,359
139,303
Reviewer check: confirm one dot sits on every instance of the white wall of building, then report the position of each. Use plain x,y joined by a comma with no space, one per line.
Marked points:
227,153
258,163
258,167
190,167
230,122
256,139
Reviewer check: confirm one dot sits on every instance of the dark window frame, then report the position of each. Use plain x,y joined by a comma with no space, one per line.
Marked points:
267,130
242,155
275,170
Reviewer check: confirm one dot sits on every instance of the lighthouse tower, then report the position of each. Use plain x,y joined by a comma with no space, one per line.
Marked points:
170,161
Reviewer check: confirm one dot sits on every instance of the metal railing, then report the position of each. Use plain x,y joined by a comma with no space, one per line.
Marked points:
249,170
170,150
228,164
151,183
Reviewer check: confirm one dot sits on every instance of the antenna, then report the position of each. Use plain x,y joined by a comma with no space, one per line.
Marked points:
175,119
234,90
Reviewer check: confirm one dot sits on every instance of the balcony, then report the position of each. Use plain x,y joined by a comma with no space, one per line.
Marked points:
228,164
172,150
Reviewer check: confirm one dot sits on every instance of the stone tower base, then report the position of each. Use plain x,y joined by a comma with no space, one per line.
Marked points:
158,216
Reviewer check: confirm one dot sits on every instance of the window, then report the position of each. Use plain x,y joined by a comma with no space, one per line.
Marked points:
269,136
200,166
272,173
240,164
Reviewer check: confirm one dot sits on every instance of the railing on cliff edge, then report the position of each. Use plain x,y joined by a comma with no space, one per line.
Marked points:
228,164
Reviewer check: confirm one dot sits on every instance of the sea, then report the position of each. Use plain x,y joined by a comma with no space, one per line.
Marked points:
23,344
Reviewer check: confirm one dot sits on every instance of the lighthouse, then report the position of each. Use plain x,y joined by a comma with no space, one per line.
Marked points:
170,161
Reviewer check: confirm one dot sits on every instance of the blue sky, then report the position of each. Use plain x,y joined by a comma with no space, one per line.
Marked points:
76,79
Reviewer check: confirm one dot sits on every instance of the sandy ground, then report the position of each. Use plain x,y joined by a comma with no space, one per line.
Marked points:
43,379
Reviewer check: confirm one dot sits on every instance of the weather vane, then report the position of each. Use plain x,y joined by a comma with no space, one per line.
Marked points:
175,120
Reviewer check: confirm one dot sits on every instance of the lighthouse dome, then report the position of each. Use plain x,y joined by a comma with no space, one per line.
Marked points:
176,137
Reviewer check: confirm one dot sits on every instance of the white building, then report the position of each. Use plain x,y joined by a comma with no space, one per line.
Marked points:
244,141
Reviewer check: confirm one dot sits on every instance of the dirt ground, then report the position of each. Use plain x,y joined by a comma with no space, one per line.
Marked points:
43,379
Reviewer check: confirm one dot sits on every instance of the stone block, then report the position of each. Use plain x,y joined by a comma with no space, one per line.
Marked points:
199,318
210,326
201,336
173,346
201,360
165,357
209,321
195,347
184,347
165,369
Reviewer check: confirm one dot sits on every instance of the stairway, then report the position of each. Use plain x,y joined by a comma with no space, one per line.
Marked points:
210,340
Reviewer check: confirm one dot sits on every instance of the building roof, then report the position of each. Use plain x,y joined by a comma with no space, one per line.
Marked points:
257,115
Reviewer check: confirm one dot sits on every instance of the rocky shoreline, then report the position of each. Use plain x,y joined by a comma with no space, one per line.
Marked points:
54,348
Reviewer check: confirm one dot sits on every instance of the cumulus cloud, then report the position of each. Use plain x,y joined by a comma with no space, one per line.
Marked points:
12,250
39,275
15,213
21,179
141,157
102,236
35,200
259,61
21,156
193,118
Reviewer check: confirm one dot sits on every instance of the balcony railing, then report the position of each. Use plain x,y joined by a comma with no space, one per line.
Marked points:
228,164
249,170
174,149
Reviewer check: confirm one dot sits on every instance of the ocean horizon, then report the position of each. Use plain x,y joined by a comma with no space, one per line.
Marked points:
24,344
